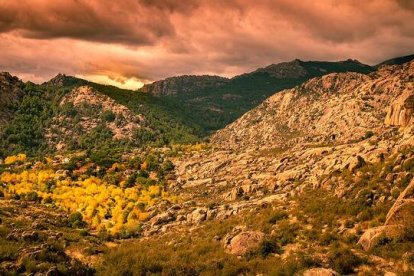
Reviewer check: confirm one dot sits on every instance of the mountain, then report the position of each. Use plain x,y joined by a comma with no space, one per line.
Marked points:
183,84
11,93
318,179
325,167
211,102
68,113
396,61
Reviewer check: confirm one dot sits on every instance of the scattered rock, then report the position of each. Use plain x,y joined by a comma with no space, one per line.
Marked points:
320,272
162,218
373,236
197,216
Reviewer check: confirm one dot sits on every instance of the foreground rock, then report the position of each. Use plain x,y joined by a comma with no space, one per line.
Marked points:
399,222
243,243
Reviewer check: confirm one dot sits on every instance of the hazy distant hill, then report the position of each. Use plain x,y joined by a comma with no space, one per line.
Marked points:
396,61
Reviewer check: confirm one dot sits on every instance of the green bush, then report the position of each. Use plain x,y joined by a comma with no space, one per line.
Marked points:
343,260
76,220
278,216
368,134
268,247
108,116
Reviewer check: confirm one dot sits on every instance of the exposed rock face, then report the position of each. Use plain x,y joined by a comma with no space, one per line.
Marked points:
399,221
244,242
402,212
11,92
402,110
373,236
89,105
299,139
338,107
182,84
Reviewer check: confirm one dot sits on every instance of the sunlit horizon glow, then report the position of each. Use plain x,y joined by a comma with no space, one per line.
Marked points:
128,43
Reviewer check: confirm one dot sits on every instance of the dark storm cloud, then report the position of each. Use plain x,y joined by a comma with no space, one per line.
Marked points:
152,39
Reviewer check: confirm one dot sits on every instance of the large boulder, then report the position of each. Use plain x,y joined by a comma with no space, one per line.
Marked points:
402,212
374,236
162,218
244,242
197,216
320,272
399,221
400,112
356,163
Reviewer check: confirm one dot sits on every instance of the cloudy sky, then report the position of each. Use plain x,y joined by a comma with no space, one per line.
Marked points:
131,42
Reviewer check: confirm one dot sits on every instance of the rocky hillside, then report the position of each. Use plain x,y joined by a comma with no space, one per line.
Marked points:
71,113
316,176
336,108
85,110
11,93
213,102
316,180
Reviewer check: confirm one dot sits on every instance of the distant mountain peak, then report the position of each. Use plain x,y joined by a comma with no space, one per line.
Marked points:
396,61
182,84
291,69
61,80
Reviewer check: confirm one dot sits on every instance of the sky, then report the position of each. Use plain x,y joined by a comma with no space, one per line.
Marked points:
131,42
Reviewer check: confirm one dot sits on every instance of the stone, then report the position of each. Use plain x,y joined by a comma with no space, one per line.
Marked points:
320,272
402,212
197,216
162,218
373,236
244,242
401,111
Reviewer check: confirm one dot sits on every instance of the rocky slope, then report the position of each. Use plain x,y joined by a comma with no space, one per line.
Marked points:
335,108
11,93
213,102
347,135
87,109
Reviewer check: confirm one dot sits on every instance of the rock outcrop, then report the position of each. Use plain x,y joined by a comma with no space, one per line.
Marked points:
339,107
400,113
399,221
87,107
402,212
244,242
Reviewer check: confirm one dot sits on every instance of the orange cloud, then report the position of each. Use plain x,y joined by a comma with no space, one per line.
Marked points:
136,41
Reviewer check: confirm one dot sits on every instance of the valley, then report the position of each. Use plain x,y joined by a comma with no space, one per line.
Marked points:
307,169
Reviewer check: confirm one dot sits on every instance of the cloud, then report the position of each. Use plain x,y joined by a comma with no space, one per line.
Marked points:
136,41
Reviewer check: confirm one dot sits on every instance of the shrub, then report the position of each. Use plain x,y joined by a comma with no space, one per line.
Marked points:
344,260
108,116
368,134
83,232
277,217
31,196
268,247
76,220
